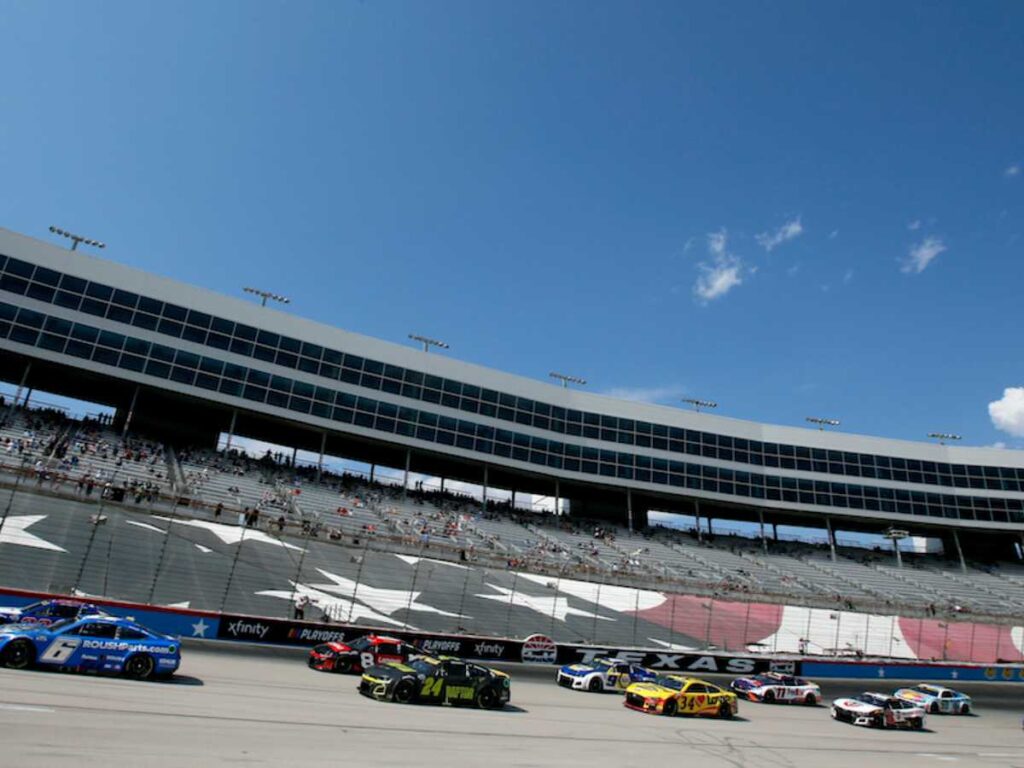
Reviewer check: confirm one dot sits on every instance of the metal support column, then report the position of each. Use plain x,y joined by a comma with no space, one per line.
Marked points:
231,429
959,551
28,396
131,412
831,538
484,505
295,455
764,541
320,461
21,385
696,514
558,497
899,556
629,509
373,467
405,478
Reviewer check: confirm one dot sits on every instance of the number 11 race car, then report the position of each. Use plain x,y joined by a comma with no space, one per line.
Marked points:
93,643
878,711
772,687
360,654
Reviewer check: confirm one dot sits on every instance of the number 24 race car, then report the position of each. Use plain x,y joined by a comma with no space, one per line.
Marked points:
362,653
437,681
96,643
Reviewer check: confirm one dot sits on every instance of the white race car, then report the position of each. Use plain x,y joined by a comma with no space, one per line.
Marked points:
879,711
771,687
936,699
602,674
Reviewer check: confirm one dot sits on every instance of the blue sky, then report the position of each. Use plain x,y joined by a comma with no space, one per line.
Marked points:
790,208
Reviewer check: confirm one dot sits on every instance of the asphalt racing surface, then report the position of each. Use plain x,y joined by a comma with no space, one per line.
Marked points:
269,709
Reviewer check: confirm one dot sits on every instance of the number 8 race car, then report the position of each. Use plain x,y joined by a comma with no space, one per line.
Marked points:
772,687
360,654
602,674
437,681
97,643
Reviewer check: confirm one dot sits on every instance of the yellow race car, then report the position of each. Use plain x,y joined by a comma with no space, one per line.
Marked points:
678,695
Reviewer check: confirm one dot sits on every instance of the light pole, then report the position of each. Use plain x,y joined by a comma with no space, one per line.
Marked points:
264,295
567,380
76,239
896,535
698,404
942,437
822,423
428,342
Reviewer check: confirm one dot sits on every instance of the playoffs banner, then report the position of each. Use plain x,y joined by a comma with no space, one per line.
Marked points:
300,633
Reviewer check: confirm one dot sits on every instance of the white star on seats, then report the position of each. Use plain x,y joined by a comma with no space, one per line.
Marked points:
147,526
386,600
13,532
413,560
199,628
234,534
338,608
204,550
547,606
622,599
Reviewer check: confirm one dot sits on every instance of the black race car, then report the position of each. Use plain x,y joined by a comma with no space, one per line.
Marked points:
432,680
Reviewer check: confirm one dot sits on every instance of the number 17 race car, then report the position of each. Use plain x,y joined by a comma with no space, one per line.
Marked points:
437,681
93,643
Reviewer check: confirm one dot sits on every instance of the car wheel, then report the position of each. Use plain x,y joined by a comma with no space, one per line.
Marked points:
725,711
934,708
404,691
670,708
879,721
595,684
487,699
18,654
965,709
344,666
811,700
140,666
917,723
769,697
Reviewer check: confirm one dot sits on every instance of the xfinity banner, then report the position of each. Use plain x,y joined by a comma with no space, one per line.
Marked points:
257,630
669,661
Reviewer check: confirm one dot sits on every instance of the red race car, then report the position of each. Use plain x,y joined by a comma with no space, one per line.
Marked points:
359,654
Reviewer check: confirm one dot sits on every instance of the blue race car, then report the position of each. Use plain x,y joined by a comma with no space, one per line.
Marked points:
936,699
47,612
98,643
602,674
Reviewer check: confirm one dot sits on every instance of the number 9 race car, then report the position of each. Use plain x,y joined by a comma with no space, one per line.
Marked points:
360,654
47,612
772,687
96,643
602,674
437,681
877,710
677,695
936,699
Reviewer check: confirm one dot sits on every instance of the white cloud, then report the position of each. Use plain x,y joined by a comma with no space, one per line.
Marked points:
833,234
914,225
1007,413
791,229
722,274
646,394
921,255
847,276
1011,171
793,270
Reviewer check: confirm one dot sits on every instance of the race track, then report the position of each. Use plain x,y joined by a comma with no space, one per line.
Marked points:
267,708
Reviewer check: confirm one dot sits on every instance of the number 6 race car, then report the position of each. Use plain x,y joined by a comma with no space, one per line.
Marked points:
879,711
98,643
677,695
360,654
602,674
437,681
772,687
936,699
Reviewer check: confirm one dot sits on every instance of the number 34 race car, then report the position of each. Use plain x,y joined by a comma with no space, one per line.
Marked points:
360,654
677,695
879,711
437,681
97,643
771,687
936,699
602,674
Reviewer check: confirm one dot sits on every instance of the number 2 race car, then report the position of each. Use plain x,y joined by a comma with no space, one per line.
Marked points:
936,699
678,695
47,612
878,711
437,681
360,654
97,643
772,687
602,674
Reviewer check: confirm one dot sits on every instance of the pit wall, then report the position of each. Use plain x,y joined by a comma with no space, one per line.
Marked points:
536,649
